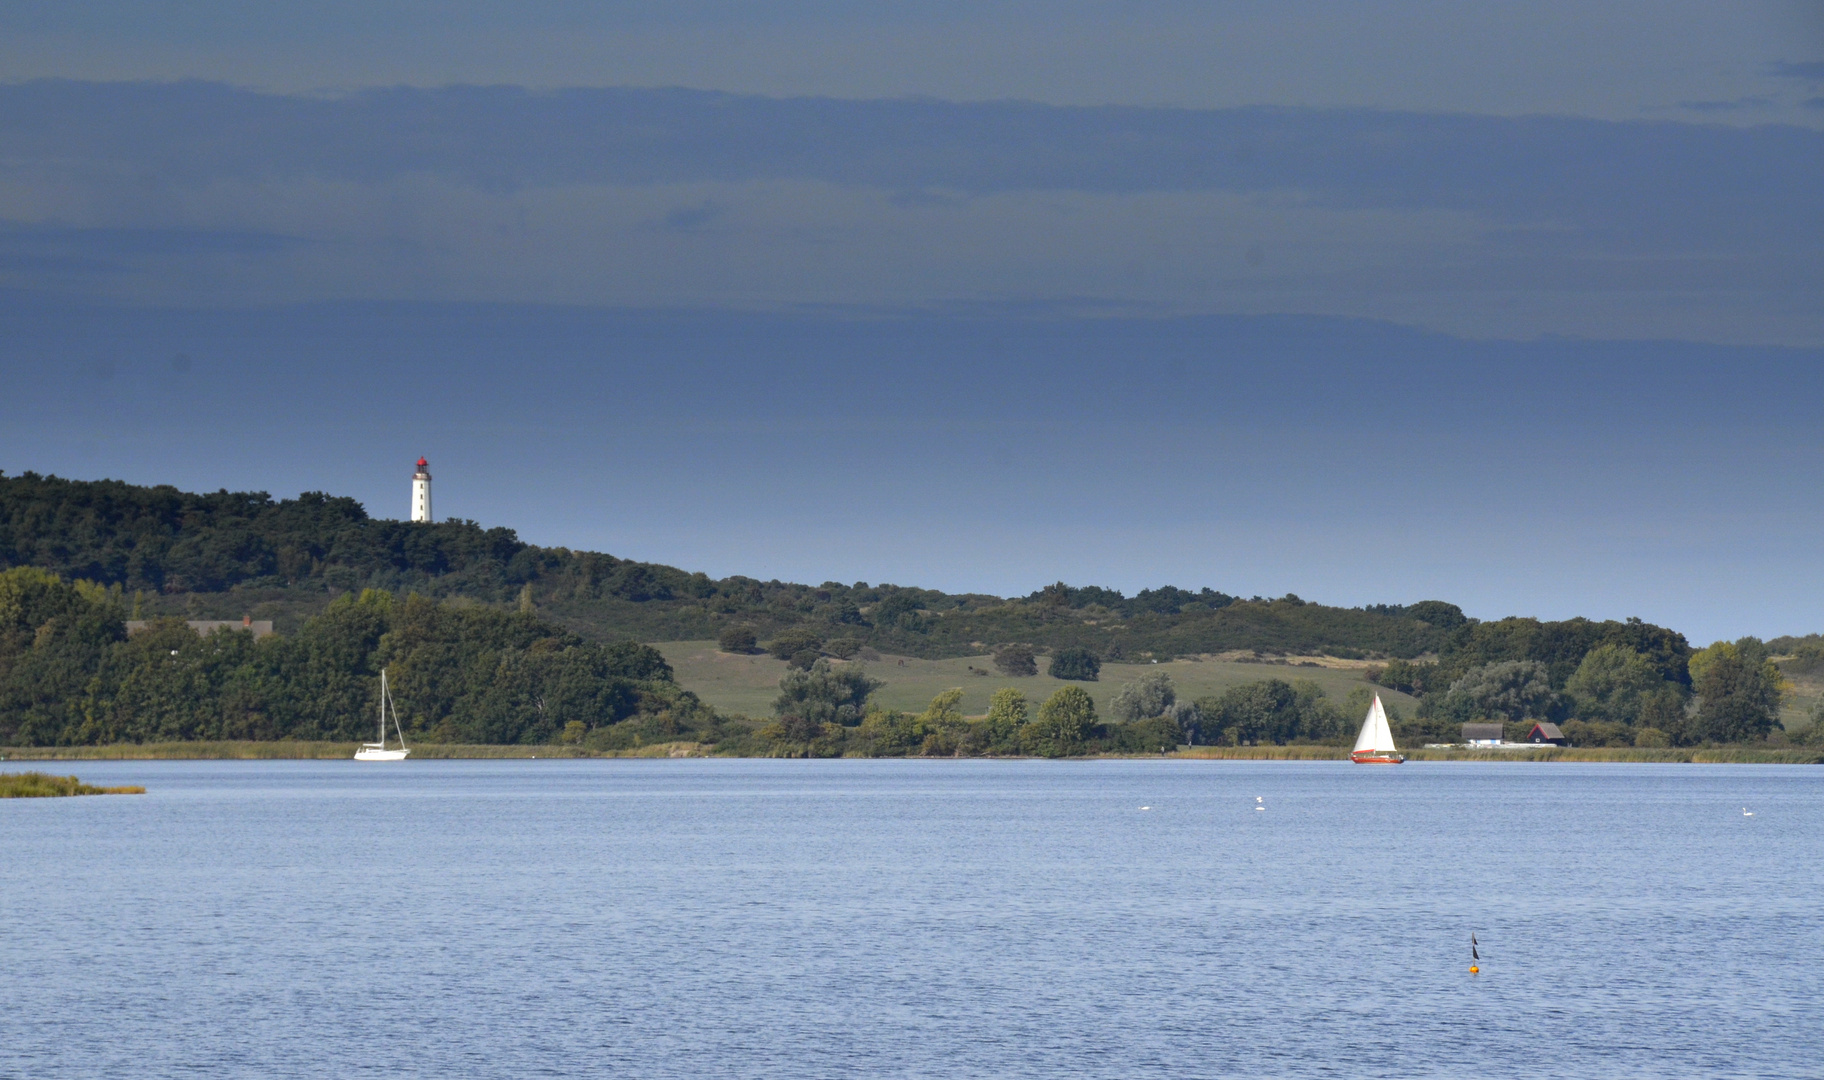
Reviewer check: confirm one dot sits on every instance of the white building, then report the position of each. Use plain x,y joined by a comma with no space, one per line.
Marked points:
421,492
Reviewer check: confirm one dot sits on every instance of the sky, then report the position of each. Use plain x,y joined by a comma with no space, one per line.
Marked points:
1521,309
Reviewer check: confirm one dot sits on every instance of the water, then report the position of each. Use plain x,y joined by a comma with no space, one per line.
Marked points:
915,919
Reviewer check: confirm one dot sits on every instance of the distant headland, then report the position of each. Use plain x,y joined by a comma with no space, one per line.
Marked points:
128,617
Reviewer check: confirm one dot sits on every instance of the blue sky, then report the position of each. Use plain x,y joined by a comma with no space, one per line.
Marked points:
1519,309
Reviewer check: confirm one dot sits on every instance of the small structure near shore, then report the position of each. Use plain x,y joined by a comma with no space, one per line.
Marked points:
1546,734
1482,734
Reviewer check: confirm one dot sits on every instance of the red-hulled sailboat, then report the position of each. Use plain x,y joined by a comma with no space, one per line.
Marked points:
1374,746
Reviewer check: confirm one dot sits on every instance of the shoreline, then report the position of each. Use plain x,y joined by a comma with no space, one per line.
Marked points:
339,751
1689,755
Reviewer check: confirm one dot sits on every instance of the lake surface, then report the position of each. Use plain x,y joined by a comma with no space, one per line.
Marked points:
914,919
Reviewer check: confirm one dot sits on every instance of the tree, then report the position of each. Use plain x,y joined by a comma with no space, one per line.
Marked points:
1438,613
1007,713
1512,690
1405,676
1270,711
1065,721
822,695
1190,721
941,725
1264,711
1611,684
1738,693
1074,663
738,639
1151,696
1016,661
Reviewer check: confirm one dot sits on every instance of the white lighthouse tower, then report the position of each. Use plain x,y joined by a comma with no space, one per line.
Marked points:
421,492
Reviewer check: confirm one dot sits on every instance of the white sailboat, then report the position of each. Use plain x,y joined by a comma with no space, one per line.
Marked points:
1374,746
377,751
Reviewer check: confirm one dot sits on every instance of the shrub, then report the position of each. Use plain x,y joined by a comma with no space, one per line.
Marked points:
790,642
1158,735
738,639
1080,665
843,648
1016,661
821,695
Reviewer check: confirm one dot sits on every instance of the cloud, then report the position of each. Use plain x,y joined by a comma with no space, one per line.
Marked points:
1735,105
692,218
180,193
19,236
1813,70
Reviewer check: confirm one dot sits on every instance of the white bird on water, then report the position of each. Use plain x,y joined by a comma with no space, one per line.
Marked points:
1257,800
1747,812
1146,808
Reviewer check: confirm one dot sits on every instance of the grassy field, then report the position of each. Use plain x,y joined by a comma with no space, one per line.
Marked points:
748,684
1807,692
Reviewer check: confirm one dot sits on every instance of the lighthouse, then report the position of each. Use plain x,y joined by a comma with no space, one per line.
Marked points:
421,492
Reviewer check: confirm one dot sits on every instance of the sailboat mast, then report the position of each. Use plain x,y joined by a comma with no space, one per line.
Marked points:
397,730
382,706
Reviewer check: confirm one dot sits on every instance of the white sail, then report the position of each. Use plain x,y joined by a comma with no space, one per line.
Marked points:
377,751
1376,735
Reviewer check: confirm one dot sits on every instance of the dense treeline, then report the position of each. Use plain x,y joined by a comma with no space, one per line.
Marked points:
825,712
71,674
1606,683
225,553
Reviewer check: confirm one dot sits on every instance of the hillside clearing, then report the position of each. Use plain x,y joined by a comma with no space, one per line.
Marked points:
748,684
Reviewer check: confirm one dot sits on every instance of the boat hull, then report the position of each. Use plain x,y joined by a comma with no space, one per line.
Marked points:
1377,757
366,754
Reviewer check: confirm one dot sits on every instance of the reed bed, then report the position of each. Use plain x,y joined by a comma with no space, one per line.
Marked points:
299,750
37,785
338,751
1265,753
1693,755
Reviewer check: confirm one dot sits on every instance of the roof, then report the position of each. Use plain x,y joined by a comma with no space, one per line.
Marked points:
1549,730
1474,732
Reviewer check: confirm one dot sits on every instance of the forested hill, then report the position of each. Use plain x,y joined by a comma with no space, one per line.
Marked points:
232,553
463,673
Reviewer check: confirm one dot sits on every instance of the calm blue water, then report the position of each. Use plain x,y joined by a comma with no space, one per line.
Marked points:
928,919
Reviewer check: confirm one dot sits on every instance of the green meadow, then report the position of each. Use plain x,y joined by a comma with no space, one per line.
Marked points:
742,684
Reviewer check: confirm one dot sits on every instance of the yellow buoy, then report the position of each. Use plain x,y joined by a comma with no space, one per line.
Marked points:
1474,970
